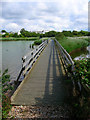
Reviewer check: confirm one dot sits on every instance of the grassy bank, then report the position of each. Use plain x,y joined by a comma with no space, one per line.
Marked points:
44,38
18,39
73,43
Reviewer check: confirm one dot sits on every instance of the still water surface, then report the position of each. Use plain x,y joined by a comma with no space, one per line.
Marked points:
12,53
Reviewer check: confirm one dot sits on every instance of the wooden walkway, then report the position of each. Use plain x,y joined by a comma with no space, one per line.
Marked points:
44,85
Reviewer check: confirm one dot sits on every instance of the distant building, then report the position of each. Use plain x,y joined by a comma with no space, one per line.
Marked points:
19,33
40,32
15,32
11,32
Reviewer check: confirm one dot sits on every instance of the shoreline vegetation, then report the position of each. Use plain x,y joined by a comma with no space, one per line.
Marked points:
70,40
38,42
71,44
19,39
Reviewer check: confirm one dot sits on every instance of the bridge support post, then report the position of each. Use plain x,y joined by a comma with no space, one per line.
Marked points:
47,41
23,67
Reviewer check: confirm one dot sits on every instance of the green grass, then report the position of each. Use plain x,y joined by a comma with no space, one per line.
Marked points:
71,44
18,39
44,38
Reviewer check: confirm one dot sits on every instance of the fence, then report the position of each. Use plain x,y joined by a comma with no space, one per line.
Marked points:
65,57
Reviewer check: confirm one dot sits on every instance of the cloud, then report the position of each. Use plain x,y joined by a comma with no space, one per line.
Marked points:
45,15
13,26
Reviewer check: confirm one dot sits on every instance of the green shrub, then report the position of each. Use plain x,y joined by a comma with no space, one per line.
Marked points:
37,42
6,106
60,36
82,70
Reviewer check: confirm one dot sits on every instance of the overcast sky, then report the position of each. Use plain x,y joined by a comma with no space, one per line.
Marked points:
35,15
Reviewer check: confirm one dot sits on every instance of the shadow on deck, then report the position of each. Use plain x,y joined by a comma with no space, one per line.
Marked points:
55,89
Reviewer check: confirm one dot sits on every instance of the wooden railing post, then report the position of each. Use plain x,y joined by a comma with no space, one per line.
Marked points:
23,61
47,41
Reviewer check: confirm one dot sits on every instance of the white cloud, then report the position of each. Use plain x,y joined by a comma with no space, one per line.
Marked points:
45,14
2,20
12,26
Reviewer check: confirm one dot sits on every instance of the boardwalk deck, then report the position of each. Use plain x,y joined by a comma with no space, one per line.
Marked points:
44,85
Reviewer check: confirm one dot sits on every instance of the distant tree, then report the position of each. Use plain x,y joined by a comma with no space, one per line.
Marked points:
59,35
83,33
3,31
22,30
75,33
15,35
50,34
88,33
67,33
11,35
20,35
41,35
6,35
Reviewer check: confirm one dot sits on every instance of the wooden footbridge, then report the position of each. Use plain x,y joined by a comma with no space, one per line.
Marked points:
44,72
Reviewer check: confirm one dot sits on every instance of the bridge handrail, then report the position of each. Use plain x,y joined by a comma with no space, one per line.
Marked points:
64,53
69,60
29,59
31,52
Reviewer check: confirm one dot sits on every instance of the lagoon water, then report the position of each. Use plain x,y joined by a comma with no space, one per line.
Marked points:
12,53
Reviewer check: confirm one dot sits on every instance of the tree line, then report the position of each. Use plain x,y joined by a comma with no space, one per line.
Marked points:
25,33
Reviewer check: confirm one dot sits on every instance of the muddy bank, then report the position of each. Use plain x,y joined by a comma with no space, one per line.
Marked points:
78,52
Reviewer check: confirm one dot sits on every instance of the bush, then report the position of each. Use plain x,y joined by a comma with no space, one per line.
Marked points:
6,106
82,70
37,42
5,99
59,36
